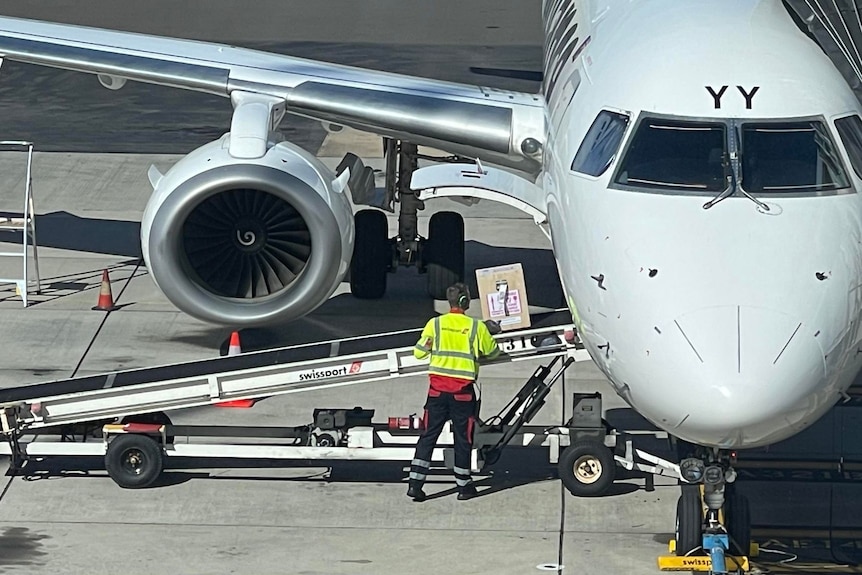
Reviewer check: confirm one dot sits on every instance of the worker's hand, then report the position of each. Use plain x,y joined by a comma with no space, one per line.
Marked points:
493,326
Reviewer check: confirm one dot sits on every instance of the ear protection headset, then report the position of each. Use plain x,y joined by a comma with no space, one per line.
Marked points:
464,297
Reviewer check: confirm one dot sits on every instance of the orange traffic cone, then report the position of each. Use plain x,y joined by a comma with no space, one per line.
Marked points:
234,347
106,299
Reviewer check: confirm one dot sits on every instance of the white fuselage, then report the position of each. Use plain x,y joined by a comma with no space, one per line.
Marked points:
730,326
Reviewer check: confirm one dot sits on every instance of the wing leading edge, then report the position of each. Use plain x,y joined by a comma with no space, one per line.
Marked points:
469,120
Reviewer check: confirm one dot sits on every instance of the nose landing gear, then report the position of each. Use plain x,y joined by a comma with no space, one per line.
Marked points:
713,525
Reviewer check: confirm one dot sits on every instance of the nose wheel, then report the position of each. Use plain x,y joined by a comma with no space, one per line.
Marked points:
689,521
713,522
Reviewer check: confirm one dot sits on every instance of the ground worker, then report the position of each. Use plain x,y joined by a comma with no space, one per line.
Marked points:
455,343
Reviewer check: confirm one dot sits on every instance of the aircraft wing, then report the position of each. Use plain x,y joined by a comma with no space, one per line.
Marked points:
463,119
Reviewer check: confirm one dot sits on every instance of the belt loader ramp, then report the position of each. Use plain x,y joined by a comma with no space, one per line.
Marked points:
120,416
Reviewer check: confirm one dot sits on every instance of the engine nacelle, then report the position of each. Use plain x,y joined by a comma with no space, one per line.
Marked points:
247,242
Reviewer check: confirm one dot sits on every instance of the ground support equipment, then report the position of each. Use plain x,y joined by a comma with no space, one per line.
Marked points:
24,223
121,417
585,448
76,409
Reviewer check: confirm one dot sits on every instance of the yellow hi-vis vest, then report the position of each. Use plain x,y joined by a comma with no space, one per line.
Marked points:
455,342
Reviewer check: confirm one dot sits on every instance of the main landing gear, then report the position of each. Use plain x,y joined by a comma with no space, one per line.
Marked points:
375,254
713,524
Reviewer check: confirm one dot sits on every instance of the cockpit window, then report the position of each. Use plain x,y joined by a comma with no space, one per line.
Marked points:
850,130
789,157
600,145
676,155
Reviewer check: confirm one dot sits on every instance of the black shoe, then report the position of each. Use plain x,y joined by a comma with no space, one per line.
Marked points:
415,492
467,492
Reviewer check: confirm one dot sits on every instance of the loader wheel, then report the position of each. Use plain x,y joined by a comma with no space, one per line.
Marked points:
443,253
134,461
587,468
372,255
689,520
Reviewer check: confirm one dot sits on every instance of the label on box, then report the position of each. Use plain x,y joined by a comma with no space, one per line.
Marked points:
503,294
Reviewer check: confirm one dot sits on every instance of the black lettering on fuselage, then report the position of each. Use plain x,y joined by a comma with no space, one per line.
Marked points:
748,95
717,95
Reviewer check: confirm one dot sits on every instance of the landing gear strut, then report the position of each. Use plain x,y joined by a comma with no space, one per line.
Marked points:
711,518
441,255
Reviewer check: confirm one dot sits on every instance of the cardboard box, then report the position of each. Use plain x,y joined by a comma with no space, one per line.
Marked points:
504,284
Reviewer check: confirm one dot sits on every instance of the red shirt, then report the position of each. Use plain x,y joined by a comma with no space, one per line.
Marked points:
446,384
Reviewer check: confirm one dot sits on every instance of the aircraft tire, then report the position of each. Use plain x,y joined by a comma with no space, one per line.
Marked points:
444,253
737,518
587,468
371,255
134,461
689,520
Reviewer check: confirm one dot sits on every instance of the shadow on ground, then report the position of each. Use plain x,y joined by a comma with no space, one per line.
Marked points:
405,306
66,231
517,467
61,286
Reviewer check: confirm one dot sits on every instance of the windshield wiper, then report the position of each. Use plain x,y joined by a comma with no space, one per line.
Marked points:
734,178
762,205
728,191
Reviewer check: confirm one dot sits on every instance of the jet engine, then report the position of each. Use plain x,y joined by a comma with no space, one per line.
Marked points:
246,242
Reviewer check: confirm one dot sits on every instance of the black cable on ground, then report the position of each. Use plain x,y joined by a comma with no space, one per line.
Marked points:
6,488
105,319
86,351
562,489
84,355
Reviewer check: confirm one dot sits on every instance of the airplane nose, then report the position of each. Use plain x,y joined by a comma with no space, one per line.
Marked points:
745,375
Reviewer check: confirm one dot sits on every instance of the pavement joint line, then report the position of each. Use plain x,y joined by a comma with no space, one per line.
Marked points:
562,537
128,280
326,527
